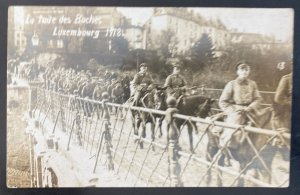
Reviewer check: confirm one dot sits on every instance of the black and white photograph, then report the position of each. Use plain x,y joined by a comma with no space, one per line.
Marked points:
102,96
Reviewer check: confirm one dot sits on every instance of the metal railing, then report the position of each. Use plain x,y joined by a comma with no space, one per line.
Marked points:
106,132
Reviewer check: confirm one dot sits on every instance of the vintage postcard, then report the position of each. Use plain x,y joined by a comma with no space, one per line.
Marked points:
149,96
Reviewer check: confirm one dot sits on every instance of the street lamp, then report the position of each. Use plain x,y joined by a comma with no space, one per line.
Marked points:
35,39
35,43
138,46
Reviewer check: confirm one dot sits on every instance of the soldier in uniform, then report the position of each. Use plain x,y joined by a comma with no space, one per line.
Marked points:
239,98
140,83
281,121
240,94
175,83
97,95
98,90
107,75
88,88
283,103
87,92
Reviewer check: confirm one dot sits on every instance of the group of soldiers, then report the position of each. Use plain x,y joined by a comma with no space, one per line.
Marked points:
175,83
82,83
239,96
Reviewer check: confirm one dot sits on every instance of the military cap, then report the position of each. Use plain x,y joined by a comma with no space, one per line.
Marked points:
144,64
241,64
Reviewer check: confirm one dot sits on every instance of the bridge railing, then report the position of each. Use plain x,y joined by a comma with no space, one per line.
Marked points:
107,133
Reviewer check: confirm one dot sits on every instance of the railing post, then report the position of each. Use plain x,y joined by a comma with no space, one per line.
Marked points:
202,89
107,133
173,135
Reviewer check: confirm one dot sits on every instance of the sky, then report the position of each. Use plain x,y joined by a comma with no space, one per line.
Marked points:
275,22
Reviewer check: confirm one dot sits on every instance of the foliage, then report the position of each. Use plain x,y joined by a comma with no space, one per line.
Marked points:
202,53
164,43
217,71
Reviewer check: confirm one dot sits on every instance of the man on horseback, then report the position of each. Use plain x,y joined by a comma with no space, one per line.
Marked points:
240,94
283,103
281,121
140,83
175,83
241,99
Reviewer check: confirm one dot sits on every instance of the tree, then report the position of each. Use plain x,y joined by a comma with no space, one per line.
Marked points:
165,43
202,53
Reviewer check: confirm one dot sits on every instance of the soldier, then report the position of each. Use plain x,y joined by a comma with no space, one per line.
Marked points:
283,103
98,90
140,83
113,76
97,95
107,75
175,83
239,100
281,121
240,94
88,88
71,85
87,92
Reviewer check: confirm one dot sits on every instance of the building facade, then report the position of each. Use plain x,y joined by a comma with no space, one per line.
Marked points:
187,27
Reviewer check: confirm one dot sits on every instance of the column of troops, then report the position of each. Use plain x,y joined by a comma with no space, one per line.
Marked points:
239,95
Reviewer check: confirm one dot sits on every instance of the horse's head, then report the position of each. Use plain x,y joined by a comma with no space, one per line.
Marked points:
159,97
204,108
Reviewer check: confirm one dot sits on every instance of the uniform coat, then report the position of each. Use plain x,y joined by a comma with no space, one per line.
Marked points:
140,84
174,84
283,103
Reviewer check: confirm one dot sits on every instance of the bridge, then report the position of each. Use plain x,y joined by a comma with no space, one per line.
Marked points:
77,142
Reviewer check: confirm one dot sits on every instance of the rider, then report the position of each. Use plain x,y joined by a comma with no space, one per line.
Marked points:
239,100
240,94
175,83
283,103
140,83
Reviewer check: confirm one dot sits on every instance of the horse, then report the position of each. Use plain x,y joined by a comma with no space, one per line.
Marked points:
213,146
118,96
142,118
242,146
125,83
193,105
160,98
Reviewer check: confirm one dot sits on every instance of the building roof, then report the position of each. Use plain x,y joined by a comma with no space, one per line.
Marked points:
190,15
251,38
